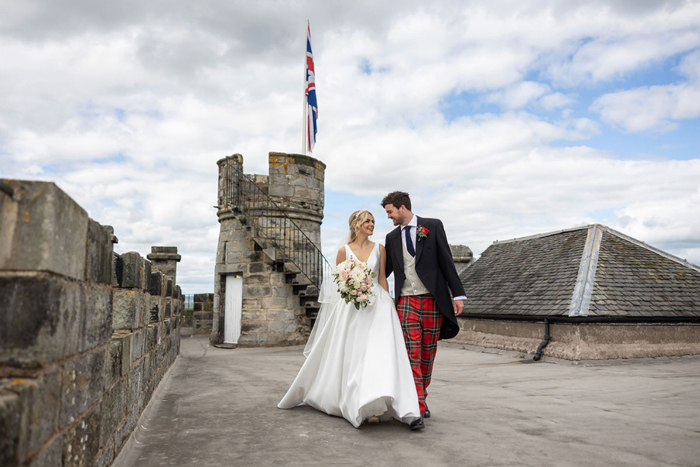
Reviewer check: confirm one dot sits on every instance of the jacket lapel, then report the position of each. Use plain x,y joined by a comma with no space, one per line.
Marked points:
397,246
419,243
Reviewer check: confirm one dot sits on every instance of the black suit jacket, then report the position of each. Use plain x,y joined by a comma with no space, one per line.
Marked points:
434,266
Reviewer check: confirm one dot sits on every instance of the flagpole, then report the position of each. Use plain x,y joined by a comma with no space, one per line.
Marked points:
305,106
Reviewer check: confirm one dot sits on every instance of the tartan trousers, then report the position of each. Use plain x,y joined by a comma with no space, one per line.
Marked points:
420,321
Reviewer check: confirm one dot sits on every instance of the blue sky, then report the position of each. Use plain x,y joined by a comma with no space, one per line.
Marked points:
503,119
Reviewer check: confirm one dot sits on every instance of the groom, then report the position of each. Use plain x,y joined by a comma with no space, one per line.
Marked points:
424,275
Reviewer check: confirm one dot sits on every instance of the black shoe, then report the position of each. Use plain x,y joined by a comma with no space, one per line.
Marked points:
417,424
427,412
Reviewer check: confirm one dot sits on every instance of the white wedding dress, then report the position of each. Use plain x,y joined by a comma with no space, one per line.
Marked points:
357,366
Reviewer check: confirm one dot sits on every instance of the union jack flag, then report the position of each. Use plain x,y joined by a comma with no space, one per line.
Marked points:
311,104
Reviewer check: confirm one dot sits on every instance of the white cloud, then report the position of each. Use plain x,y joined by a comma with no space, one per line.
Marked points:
128,106
654,107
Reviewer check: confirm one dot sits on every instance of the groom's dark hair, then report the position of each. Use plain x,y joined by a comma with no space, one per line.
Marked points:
398,199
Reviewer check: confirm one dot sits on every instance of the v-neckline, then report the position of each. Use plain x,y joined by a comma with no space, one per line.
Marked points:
370,253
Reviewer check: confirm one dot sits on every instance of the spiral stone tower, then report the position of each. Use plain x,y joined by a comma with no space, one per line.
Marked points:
268,258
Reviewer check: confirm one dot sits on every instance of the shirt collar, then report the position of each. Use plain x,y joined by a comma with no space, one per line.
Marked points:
413,222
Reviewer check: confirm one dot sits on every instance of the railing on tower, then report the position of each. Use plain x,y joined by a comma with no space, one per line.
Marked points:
243,196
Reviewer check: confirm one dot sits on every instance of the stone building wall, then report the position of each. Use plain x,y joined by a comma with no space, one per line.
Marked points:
85,335
273,311
202,313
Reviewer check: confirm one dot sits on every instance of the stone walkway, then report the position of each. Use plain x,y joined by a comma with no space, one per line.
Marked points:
490,408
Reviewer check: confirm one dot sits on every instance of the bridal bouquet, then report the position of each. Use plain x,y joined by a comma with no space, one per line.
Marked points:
354,280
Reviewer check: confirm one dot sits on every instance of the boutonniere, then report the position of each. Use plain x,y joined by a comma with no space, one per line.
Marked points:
421,232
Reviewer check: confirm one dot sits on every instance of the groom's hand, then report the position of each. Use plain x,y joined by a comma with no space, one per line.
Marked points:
458,306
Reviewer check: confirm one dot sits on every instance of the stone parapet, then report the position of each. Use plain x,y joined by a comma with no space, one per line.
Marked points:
84,336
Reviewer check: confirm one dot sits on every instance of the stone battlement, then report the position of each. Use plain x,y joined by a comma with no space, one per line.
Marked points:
86,335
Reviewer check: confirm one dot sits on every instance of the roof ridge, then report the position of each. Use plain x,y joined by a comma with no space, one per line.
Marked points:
681,261
585,279
542,235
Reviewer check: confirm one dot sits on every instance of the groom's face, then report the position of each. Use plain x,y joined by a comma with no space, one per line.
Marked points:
396,215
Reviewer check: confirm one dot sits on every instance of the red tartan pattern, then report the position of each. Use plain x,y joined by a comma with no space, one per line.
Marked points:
420,321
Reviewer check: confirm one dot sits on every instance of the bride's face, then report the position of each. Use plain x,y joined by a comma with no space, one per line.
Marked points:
367,226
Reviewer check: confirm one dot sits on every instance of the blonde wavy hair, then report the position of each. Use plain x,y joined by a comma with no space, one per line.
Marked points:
357,218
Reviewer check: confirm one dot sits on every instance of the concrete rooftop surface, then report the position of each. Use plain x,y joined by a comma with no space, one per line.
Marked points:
218,407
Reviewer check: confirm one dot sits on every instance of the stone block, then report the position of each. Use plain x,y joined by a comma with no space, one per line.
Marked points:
43,229
253,326
204,315
146,274
282,292
252,303
98,256
10,410
82,385
96,317
151,338
131,309
112,410
256,291
201,297
132,272
254,268
40,399
208,306
81,443
127,348
52,455
169,284
40,320
117,270
135,385
137,344
105,457
274,302
156,283
113,362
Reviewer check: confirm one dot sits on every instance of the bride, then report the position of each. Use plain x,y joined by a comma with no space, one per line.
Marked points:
356,362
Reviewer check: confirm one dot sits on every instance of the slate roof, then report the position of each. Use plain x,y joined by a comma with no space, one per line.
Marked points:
591,271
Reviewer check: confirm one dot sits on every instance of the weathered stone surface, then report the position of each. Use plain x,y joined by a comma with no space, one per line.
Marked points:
81,443
126,352
137,345
117,270
98,256
135,384
156,284
51,456
40,400
151,337
132,272
125,429
105,457
43,229
83,385
146,274
113,363
9,427
97,316
169,286
40,319
131,309
113,409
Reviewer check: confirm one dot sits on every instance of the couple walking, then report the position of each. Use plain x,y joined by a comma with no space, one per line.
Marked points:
375,363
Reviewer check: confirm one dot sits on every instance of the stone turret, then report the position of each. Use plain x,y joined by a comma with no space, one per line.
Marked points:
266,298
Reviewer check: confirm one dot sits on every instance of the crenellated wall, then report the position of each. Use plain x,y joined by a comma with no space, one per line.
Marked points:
86,335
